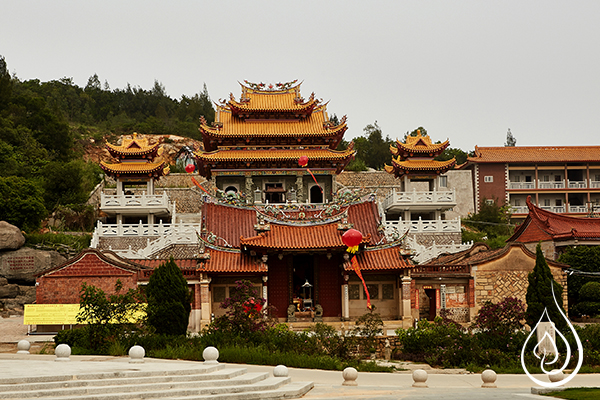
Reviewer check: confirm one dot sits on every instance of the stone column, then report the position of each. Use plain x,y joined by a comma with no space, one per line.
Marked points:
196,313
248,189
205,304
300,188
405,302
265,290
345,299
150,186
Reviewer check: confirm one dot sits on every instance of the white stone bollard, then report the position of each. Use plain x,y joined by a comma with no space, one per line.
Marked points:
556,375
350,375
420,378
136,354
489,379
280,371
62,352
210,355
23,347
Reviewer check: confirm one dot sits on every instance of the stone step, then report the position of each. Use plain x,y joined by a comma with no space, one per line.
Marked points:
93,380
202,369
131,389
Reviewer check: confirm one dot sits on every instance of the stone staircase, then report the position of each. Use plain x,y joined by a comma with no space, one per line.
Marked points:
203,382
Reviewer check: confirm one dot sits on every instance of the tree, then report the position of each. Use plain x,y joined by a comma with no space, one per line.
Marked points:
168,300
581,258
539,293
374,149
21,202
449,152
5,84
492,219
510,139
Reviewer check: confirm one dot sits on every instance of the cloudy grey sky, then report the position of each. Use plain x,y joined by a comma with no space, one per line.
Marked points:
465,70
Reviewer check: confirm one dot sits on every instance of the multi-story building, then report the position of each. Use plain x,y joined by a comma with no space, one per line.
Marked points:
560,179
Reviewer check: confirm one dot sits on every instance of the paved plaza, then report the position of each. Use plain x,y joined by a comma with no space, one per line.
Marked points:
327,384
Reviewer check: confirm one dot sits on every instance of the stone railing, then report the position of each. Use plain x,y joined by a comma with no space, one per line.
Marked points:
420,226
424,253
578,209
551,184
554,209
519,210
108,202
521,185
571,184
447,197
436,270
179,230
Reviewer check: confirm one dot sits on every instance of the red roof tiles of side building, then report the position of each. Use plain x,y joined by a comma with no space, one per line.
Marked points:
229,222
365,218
379,259
155,263
536,154
545,225
231,262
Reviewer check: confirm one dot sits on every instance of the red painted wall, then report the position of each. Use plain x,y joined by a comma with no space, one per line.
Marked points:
330,286
278,285
495,189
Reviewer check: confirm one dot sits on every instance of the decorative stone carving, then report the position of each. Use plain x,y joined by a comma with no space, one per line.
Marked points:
291,313
210,355
23,347
420,378
318,313
350,375
489,379
62,352
136,355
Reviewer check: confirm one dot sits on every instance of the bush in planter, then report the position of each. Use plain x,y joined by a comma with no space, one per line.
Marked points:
368,326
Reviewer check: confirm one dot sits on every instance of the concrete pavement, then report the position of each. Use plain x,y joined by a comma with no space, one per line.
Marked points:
327,384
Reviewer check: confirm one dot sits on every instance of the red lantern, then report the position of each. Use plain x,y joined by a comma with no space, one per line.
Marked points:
190,168
352,239
303,161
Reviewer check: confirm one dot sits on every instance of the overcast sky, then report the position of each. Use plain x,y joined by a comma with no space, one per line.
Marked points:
465,70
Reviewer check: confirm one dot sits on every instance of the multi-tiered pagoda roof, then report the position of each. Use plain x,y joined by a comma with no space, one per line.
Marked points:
415,157
272,127
136,159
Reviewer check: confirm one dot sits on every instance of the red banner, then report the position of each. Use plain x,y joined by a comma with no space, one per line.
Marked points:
357,270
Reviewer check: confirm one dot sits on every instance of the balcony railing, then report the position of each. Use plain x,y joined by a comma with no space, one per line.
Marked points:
420,226
554,209
519,209
521,185
578,209
551,184
577,184
135,201
447,197
141,230
595,184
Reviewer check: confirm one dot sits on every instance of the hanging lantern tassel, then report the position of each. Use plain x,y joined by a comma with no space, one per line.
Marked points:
303,162
356,269
195,182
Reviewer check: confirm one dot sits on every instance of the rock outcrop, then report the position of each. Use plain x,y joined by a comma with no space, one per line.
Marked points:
21,265
11,237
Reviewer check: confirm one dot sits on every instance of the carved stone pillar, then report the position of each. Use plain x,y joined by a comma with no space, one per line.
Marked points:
196,313
205,303
300,188
265,290
248,189
345,299
405,301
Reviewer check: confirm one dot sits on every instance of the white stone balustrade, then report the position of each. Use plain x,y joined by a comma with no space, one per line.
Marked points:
425,253
423,226
176,233
125,202
447,198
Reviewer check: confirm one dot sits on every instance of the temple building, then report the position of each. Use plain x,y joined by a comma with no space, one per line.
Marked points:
420,204
135,167
255,144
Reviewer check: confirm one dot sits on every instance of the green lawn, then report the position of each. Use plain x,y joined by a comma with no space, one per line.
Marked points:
577,394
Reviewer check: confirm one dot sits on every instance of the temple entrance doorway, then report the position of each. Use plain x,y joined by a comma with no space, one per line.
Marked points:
303,282
431,293
316,196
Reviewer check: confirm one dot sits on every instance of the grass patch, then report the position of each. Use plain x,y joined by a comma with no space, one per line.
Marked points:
577,394
58,241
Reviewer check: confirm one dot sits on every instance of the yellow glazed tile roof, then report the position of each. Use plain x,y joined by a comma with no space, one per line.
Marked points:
272,101
418,144
313,125
536,154
275,154
134,146
422,165
132,167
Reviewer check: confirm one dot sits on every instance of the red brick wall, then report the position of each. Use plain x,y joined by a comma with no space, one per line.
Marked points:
63,286
495,189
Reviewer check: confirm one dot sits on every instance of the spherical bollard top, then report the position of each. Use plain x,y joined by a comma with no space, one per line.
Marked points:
210,355
280,371
62,352
350,375
489,378
420,377
136,354
23,347
556,375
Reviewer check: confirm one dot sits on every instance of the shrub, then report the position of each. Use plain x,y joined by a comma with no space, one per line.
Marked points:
244,310
502,318
368,326
590,291
168,300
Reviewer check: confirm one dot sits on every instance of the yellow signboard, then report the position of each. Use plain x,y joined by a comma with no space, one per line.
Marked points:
61,314
50,314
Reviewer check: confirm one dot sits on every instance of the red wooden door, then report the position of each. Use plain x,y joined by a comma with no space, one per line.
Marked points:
330,287
278,284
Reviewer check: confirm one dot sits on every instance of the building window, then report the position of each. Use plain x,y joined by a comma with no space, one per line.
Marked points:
517,203
443,181
230,189
547,202
274,193
558,203
516,178
373,291
488,178
353,292
387,291
528,178
489,202
557,178
218,294
546,178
